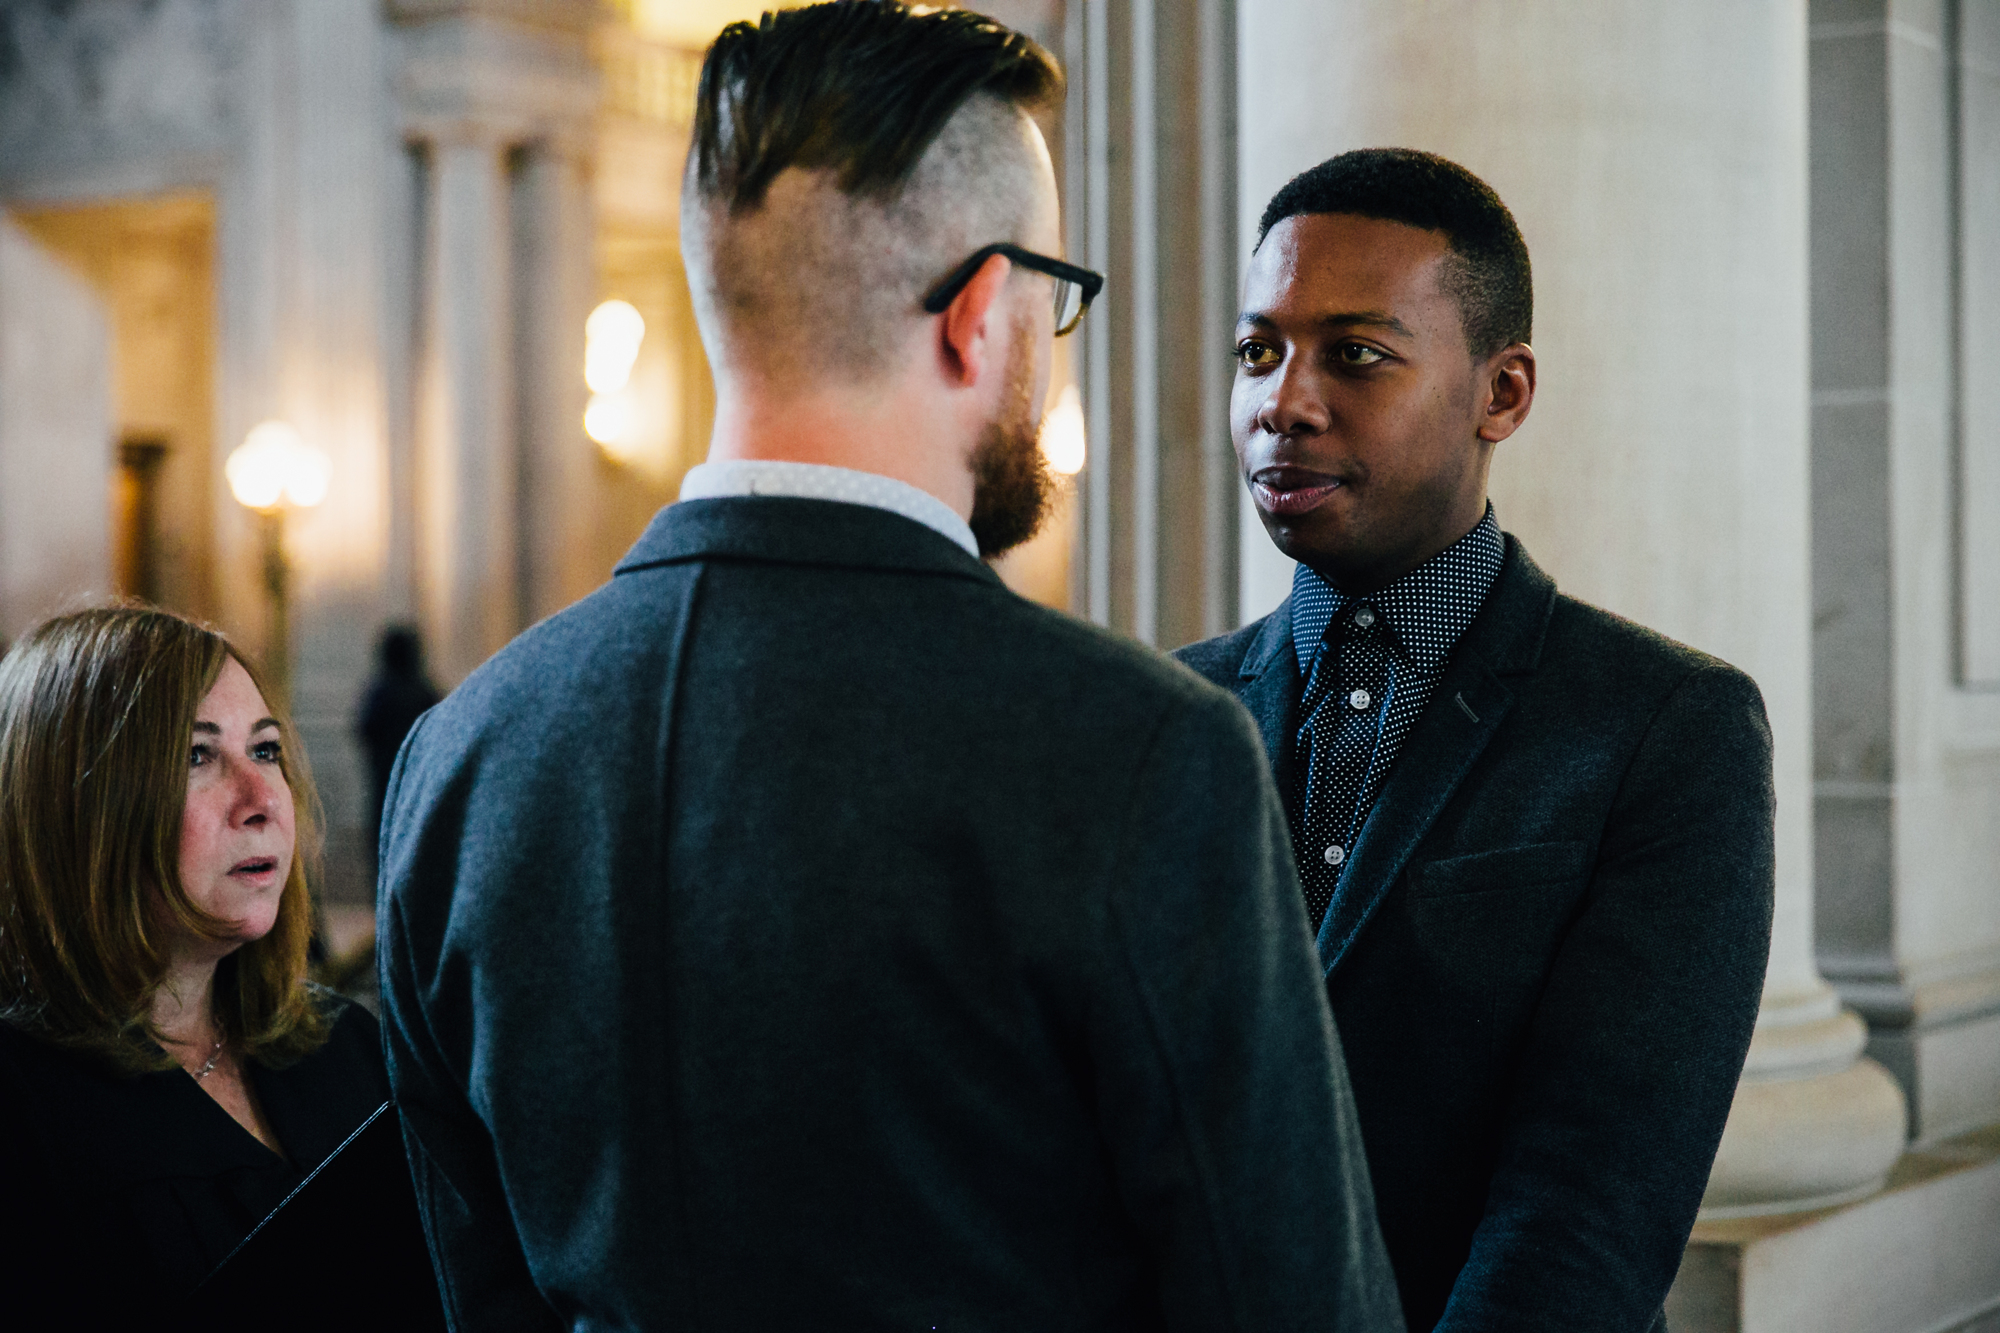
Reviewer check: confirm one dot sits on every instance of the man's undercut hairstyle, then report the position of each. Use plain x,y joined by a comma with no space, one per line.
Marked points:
1489,276
857,86
845,157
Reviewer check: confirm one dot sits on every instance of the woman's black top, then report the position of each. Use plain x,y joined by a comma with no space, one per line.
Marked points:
121,1192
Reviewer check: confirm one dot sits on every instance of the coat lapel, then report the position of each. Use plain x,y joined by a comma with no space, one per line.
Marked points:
1461,718
1440,750
1270,688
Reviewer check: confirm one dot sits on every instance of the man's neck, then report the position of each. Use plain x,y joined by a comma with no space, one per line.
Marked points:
1367,580
868,429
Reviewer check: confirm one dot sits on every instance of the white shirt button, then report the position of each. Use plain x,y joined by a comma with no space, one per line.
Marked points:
1335,853
1365,617
1359,700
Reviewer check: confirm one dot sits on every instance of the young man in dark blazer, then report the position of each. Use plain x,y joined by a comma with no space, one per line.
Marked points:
805,932
1535,839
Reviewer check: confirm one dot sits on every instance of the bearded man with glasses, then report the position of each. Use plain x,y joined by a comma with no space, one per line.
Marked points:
805,932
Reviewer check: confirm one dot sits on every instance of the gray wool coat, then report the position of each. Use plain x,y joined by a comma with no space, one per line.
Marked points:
803,931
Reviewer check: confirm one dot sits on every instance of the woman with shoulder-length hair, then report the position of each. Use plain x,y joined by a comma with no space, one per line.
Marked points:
167,1074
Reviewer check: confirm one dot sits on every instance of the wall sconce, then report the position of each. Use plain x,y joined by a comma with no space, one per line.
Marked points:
1063,443
272,472
611,339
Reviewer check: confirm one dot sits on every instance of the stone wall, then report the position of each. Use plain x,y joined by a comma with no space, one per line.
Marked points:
55,437
1906,483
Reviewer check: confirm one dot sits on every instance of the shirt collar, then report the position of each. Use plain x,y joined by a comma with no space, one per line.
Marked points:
1425,611
817,481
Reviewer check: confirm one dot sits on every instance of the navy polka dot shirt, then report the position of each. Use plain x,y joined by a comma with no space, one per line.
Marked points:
1370,665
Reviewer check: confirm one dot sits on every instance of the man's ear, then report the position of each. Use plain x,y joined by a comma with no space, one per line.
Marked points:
1509,392
967,347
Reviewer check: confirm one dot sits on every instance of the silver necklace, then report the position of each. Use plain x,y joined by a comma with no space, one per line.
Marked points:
208,1067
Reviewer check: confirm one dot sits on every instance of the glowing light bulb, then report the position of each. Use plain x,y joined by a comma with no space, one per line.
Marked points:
615,321
604,371
274,465
311,476
609,420
255,470
1063,442
611,339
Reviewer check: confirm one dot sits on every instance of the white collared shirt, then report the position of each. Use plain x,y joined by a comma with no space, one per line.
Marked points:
817,481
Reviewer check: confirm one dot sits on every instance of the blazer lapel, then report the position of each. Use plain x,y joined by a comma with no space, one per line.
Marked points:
1441,749
1271,689
1455,727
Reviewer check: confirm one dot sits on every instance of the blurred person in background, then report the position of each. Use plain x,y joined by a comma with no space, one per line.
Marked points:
399,694
167,1075
804,931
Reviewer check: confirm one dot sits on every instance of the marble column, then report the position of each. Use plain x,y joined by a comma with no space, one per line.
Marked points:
499,99
555,268
1149,202
1656,160
1906,567
56,428
328,220
467,465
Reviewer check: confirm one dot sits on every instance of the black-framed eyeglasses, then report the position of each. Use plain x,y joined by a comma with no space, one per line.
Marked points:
1076,287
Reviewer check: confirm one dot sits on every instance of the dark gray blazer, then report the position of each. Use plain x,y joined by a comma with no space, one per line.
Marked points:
1546,958
803,931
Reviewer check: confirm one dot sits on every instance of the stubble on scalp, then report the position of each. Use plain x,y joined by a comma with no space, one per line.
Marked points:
812,283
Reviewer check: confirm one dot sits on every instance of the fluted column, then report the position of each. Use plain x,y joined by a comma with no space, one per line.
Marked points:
1906,571
1149,202
1655,157
467,466
498,98
556,253
301,268
56,422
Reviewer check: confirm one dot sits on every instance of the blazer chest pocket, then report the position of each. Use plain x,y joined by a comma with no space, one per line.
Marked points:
1508,868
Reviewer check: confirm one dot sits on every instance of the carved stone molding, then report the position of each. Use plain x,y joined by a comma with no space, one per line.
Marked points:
470,75
84,88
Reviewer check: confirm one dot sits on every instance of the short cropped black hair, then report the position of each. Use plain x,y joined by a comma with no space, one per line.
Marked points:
860,87
1491,281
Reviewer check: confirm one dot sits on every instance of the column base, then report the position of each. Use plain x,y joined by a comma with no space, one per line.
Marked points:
1937,1030
1949,1070
1813,1125
1917,1257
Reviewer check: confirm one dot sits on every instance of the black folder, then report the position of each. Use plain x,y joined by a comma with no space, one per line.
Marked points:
342,1252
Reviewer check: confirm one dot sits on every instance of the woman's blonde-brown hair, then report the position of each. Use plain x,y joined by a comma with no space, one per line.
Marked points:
97,712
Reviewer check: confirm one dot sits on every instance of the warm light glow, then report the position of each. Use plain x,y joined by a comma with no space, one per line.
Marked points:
619,321
694,23
611,338
609,421
1063,435
274,465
